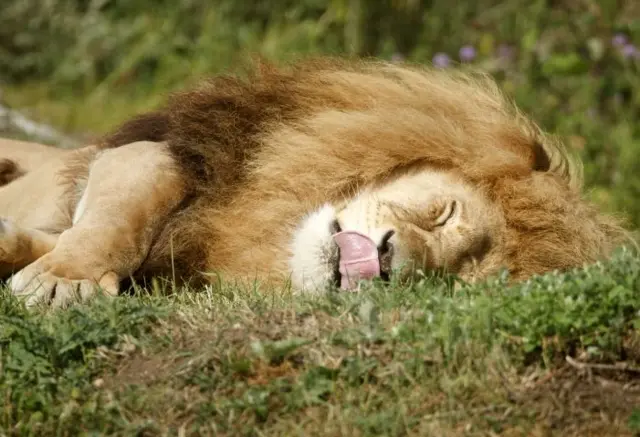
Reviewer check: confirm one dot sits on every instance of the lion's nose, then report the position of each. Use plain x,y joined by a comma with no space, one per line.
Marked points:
385,254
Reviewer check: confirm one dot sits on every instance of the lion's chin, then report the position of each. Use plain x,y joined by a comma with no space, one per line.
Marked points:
314,253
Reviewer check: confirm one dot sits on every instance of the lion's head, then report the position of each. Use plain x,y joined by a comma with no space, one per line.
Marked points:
450,177
327,169
429,219
423,220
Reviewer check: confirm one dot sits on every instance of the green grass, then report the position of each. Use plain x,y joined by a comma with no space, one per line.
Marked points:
429,358
83,116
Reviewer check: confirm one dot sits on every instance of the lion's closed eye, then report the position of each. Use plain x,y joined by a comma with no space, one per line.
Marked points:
436,215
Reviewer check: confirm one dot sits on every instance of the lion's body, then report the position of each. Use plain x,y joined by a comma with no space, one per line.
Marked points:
30,155
241,167
32,192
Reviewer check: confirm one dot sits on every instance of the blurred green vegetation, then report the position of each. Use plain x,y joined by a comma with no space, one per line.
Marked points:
85,65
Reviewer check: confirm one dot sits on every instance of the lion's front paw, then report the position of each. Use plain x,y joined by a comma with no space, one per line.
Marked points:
46,282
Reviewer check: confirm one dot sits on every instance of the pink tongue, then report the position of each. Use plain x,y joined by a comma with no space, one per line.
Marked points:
358,258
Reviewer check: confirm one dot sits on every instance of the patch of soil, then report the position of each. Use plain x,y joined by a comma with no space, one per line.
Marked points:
581,402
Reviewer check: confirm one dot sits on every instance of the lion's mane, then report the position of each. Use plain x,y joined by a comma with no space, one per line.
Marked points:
261,149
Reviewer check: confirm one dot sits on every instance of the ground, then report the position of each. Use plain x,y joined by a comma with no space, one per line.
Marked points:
558,356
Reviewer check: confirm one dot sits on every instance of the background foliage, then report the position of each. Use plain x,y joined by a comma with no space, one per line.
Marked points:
84,65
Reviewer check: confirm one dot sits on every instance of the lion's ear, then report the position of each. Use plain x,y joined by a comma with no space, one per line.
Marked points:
541,160
553,157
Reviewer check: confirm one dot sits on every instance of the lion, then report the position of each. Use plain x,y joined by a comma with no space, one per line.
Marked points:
320,175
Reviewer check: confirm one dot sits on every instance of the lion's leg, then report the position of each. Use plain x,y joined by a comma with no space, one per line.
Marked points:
130,191
20,247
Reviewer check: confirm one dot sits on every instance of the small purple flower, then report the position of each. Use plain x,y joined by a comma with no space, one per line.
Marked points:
397,58
630,51
441,60
619,40
467,53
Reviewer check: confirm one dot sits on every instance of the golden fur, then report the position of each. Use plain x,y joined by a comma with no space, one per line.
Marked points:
32,192
252,158
30,155
106,236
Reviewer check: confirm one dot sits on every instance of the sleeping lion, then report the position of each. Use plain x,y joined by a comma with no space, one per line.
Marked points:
320,174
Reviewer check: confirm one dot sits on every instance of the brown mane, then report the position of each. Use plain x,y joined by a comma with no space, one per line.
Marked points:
260,152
